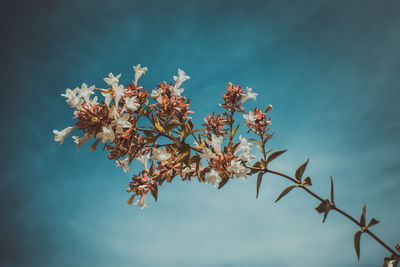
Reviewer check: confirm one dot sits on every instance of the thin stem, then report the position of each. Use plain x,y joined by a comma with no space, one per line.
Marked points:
334,207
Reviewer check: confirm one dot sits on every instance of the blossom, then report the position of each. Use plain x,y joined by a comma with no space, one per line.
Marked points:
139,71
157,94
123,163
207,154
60,136
238,169
92,102
82,140
121,122
247,156
142,201
213,177
86,91
119,93
107,98
176,91
215,142
250,118
73,98
113,113
249,94
180,78
131,104
244,145
160,154
112,80
188,170
106,135
143,159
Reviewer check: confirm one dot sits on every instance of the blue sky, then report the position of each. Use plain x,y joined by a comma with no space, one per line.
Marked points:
329,68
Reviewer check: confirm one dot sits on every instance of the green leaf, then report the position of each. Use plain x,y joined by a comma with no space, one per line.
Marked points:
357,238
300,171
259,179
284,192
275,155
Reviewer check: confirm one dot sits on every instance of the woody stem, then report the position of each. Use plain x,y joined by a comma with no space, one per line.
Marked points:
334,207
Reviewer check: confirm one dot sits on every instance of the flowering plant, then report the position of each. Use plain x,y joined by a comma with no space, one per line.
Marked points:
155,128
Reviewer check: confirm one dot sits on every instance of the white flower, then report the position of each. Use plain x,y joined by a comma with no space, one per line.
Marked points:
121,122
242,173
131,104
238,169
247,156
142,201
157,95
107,98
188,170
92,102
160,155
81,141
143,159
215,142
250,118
139,71
106,135
86,91
197,145
112,80
119,92
123,163
175,90
60,136
113,113
180,78
249,94
73,98
244,145
207,154
213,178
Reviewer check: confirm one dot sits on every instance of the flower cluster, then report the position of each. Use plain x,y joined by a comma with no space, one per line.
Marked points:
155,128
132,123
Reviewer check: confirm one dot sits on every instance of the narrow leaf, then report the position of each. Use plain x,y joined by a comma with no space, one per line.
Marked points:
155,192
130,200
284,192
259,179
372,222
234,131
275,155
158,126
332,193
300,171
223,182
362,219
256,141
94,145
357,237
307,181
